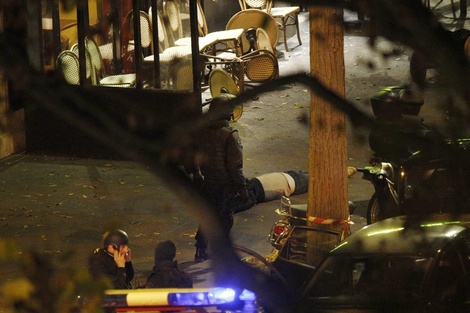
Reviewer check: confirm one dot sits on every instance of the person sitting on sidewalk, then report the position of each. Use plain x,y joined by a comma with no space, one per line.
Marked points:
166,273
113,260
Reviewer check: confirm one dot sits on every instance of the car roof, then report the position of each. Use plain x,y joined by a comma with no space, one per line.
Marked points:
404,235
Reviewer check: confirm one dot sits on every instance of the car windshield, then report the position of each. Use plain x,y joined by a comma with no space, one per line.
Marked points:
368,281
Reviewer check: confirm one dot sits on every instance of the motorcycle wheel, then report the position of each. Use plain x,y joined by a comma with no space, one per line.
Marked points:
375,213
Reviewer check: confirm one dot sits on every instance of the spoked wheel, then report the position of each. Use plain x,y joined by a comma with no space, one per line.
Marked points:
220,82
377,213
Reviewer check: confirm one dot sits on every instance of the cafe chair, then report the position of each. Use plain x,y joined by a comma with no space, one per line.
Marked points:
145,32
67,64
229,39
100,77
168,56
253,18
221,82
172,17
257,66
255,4
288,15
88,66
262,41
127,44
260,66
181,75
95,68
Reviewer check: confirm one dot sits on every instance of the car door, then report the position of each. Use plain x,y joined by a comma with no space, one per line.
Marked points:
449,288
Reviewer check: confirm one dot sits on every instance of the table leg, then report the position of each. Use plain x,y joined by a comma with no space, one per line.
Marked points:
285,32
297,26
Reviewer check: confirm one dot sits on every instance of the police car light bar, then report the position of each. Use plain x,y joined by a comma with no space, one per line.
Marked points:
187,297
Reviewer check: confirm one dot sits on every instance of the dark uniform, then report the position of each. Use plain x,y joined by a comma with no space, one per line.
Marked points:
102,265
221,167
166,273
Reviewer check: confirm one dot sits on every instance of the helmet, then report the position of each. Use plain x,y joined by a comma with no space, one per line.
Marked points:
220,108
115,237
165,250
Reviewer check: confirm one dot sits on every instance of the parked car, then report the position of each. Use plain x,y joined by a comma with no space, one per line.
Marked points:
396,265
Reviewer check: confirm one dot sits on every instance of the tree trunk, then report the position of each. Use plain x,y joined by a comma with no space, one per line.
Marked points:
327,194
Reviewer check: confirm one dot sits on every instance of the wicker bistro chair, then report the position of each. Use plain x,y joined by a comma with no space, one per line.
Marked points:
214,42
145,32
170,58
258,66
67,64
255,4
221,82
253,18
89,66
127,48
262,41
95,68
288,16
99,77
172,17
232,75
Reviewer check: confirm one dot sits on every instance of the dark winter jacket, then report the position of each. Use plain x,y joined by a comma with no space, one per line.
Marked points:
167,274
102,265
222,155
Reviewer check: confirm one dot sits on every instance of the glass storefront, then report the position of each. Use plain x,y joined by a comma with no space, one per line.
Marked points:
99,42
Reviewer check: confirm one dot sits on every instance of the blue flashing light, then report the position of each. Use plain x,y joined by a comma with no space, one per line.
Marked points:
247,295
215,296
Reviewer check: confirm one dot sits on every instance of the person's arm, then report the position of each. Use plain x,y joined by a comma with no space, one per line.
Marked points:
130,271
116,275
121,279
190,165
234,151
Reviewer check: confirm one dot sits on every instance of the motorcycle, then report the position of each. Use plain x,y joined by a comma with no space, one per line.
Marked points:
293,215
413,171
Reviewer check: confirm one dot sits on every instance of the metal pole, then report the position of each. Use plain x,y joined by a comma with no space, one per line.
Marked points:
34,35
116,25
56,42
82,26
137,43
195,49
156,49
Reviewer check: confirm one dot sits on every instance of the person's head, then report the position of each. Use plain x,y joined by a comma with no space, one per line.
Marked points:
165,251
115,240
220,108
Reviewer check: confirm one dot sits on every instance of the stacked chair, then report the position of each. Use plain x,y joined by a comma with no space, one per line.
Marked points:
127,48
240,55
68,63
288,16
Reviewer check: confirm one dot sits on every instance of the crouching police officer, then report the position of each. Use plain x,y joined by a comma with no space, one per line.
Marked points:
113,260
